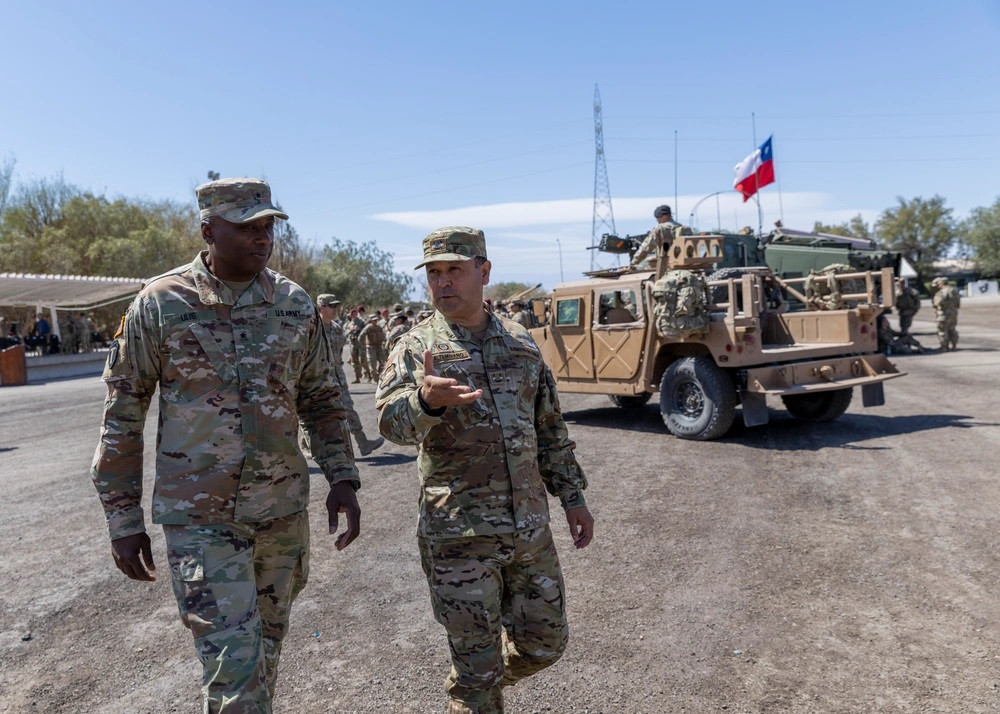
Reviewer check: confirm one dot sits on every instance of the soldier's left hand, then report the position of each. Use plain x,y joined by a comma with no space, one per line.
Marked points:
581,526
342,499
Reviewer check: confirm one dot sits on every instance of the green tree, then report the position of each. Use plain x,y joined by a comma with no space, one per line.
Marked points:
981,233
502,291
922,230
856,228
6,181
357,273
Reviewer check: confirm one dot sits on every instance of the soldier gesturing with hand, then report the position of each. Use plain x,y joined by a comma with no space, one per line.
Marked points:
470,389
437,391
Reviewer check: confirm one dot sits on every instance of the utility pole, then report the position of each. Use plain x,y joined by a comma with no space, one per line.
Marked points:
604,218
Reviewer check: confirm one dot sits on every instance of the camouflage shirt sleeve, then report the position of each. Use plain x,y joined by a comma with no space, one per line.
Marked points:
131,373
322,412
401,418
557,463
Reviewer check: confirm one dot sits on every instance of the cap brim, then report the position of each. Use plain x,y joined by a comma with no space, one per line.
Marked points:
245,215
442,256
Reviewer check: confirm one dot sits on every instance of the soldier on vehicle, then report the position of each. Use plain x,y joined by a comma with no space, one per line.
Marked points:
470,390
329,311
240,359
662,234
946,302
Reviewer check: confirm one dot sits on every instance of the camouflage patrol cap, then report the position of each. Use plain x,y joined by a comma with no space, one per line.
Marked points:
327,300
237,200
661,211
939,280
453,243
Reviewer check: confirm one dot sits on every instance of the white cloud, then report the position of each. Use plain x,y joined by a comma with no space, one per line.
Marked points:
798,210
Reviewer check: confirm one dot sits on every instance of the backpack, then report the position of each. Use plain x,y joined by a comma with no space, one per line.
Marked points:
681,309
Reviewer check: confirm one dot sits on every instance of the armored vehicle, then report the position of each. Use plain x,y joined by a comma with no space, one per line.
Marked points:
706,347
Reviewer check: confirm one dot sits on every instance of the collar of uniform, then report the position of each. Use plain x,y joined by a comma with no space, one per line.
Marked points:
212,291
462,334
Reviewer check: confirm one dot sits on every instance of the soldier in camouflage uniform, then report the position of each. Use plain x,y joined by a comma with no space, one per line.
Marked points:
907,304
470,389
400,327
329,308
240,358
946,303
372,340
359,355
662,234
518,315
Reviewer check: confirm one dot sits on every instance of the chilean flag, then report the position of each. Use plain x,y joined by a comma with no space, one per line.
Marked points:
755,171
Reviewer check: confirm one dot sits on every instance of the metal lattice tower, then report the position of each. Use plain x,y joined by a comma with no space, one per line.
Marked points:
604,218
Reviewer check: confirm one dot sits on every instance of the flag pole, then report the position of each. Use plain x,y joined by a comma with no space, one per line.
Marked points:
676,207
777,180
760,213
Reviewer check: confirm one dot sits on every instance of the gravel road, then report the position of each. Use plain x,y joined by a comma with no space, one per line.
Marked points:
848,567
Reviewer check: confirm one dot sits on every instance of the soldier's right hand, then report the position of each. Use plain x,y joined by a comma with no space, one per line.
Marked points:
127,553
437,391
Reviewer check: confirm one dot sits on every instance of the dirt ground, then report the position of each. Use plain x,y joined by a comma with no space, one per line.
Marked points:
848,567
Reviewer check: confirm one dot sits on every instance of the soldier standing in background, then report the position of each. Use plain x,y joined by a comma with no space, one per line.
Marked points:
240,358
83,331
946,303
372,339
329,310
662,234
518,315
359,359
907,304
399,328
471,391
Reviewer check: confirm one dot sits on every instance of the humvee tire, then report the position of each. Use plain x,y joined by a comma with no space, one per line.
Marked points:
628,401
697,399
818,406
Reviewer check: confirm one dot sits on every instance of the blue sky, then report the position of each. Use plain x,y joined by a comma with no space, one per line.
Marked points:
382,121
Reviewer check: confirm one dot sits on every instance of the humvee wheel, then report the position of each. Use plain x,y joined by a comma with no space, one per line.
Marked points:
818,406
630,401
697,399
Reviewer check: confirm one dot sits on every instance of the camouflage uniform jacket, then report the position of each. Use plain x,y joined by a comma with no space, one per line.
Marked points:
372,335
521,318
484,467
335,331
234,381
661,232
396,332
947,301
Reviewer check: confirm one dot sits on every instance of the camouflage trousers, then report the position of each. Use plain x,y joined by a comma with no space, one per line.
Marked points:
353,420
376,360
501,601
946,330
235,584
359,360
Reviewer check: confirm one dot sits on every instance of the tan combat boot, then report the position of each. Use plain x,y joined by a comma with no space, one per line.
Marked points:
366,445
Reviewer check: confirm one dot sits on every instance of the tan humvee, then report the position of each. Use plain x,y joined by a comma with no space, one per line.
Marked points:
599,336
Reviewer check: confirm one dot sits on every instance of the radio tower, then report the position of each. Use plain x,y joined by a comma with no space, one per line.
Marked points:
604,217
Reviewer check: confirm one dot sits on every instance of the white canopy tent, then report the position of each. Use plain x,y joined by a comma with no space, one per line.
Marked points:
64,292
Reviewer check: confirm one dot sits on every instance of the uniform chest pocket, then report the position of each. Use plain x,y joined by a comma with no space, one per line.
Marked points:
200,364
287,343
